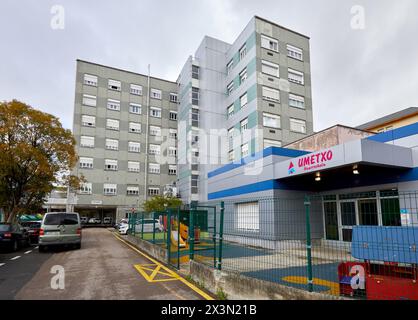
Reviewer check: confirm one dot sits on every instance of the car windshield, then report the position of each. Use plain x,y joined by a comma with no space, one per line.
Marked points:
5,227
61,218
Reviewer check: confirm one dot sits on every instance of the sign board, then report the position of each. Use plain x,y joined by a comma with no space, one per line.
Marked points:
96,202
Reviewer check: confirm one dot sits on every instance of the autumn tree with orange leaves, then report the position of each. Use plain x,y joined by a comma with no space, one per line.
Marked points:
36,153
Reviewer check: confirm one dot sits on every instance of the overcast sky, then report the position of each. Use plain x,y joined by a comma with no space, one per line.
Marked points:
357,75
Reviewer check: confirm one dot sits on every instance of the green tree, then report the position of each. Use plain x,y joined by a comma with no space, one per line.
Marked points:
36,153
161,203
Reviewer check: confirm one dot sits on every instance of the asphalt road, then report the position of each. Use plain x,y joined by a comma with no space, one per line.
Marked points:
104,268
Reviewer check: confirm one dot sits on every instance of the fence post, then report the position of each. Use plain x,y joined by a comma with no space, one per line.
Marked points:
221,234
191,232
178,238
168,235
133,228
142,226
307,204
153,227
214,235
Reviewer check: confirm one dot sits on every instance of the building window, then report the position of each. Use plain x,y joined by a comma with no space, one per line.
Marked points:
90,80
272,143
172,151
89,100
230,111
114,85
132,191
109,189
87,142
153,191
112,144
248,216
134,147
156,94
195,117
111,165
155,131
135,108
244,125
86,188
113,104
298,125
242,52
231,156
133,166
244,150
294,52
243,100
271,94
269,68
229,67
195,72
195,96
243,76
269,43
134,127
194,180
154,168
231,138
136,90
296,77
155,112
172,133
172,170
154,149
88,121
230,88
112,124
174,97
296,101
271,120
173,115
86,163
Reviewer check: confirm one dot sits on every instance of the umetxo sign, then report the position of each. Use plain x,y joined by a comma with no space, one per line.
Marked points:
315,161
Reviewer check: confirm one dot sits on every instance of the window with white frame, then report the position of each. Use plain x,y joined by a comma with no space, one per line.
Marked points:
134,127
89,100
244,150
135,108
243,76
231,138
153,191
271,94
229,67
242,52
271,143
243,100
155,131
112,144
134,147
114,85
110,189
230,111
113,104
294,52
154,168
172,151
244,125
195,96
88,121
155,112
87,142
90,80
156,94
136,90
86,188
174,97
172,169
297,125
269,43
154,149
132,190
231,155
134,166
195,72
112,124
111,165
296,101
173,115
270,68
296,76
248,216
271,120
230,88
86,163
172,133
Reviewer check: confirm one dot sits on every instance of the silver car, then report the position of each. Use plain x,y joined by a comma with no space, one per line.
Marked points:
60,229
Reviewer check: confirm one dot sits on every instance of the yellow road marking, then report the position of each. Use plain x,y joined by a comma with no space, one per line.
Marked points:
180,278
334,287
155,271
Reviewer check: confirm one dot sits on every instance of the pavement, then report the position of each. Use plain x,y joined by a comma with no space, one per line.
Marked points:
104,268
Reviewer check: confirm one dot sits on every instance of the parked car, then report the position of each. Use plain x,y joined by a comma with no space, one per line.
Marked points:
33,228
84,219
60,229
95,221
13,236
107,220
121,221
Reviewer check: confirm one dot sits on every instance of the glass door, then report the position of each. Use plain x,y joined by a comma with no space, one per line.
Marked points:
367,210
348,220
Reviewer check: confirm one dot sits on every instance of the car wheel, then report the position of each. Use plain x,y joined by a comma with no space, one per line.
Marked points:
41,248
78,246
15,246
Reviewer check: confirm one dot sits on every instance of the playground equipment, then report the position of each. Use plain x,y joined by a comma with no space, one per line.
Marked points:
176,241
387,267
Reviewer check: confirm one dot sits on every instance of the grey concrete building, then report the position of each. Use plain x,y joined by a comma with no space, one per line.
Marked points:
125,125
237,99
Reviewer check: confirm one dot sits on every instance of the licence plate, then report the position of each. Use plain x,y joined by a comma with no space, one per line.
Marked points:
53,233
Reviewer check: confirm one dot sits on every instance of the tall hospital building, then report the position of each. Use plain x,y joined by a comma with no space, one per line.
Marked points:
136,135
